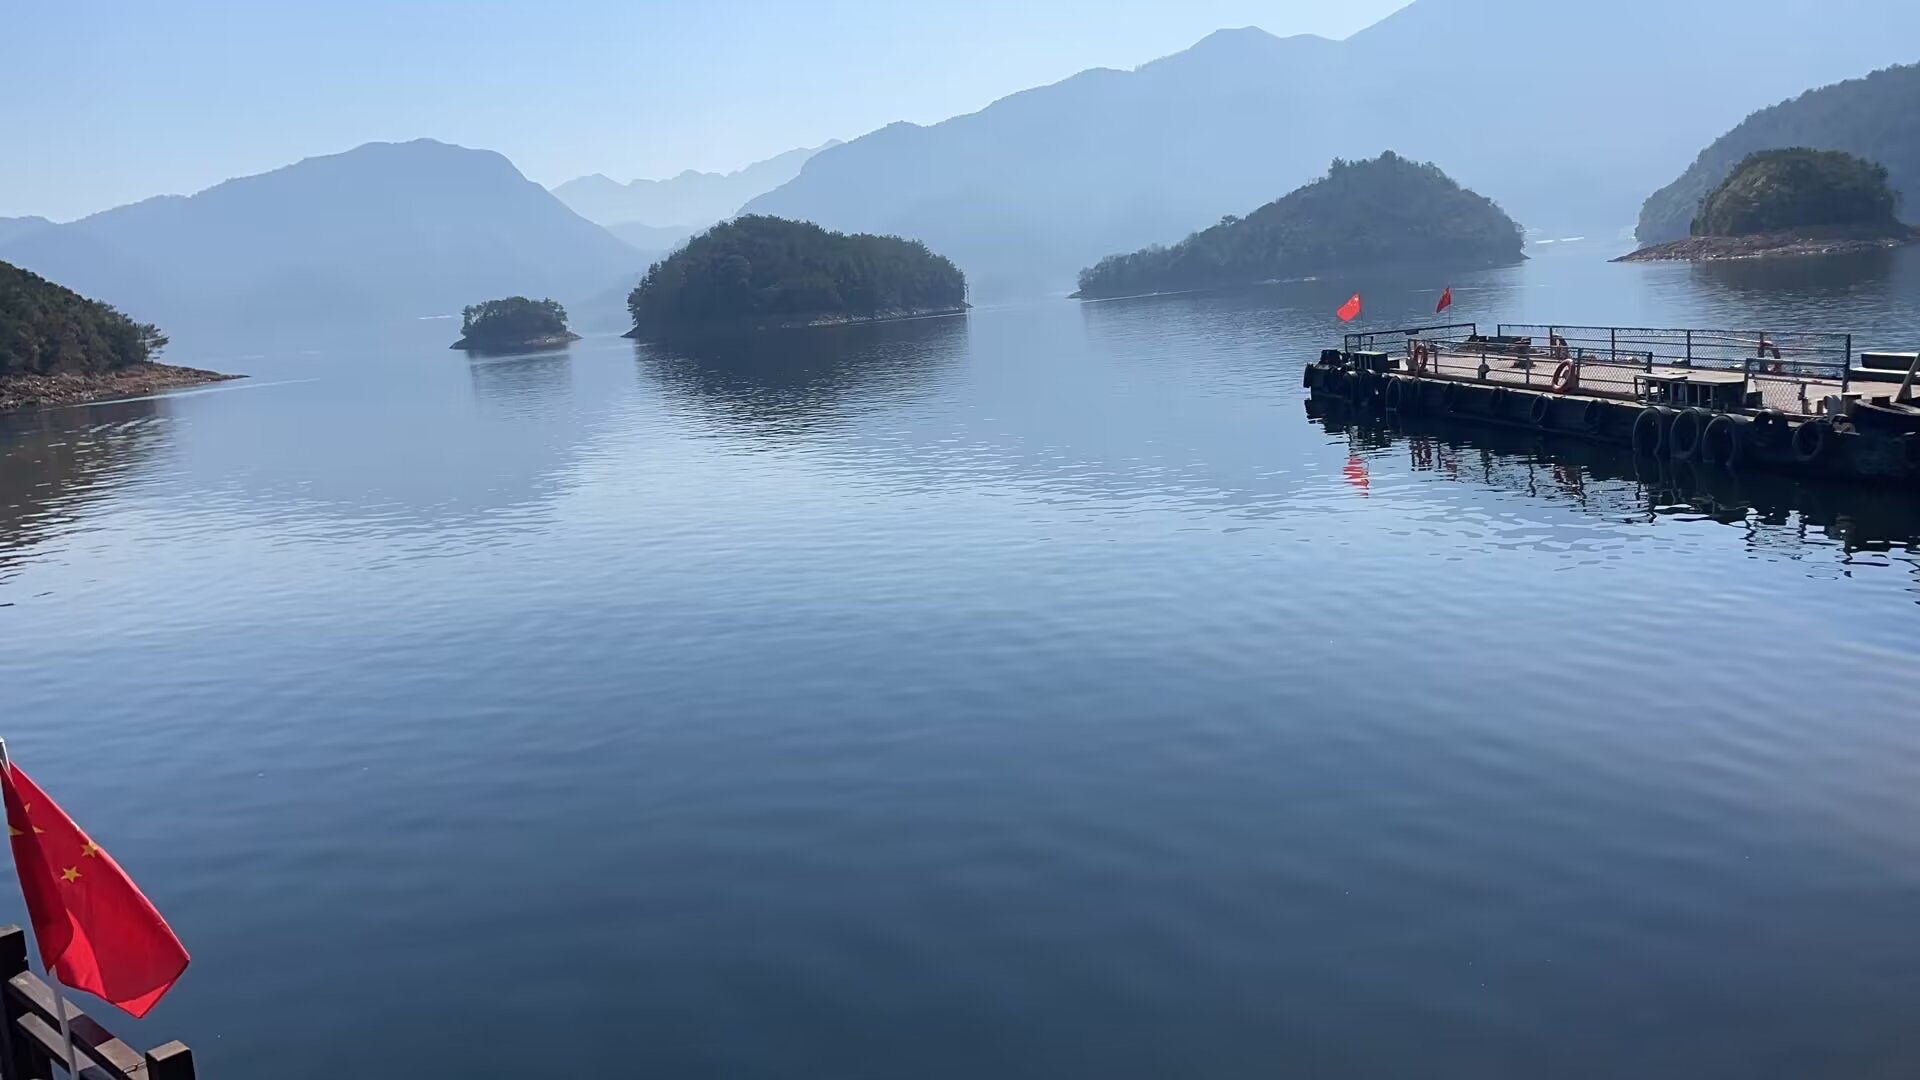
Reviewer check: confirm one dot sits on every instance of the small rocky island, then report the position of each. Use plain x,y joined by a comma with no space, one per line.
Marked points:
758,272
1386,211
514,324
1792,202
60,348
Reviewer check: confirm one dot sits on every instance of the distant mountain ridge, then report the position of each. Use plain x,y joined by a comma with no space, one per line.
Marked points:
1876,117
1562,113
692,200
411,228
13,227
651,241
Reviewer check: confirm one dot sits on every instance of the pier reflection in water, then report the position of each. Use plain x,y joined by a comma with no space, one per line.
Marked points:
1778,513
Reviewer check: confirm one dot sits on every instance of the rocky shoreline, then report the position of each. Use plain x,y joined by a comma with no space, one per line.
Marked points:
1772,245
497,348
67,388
639,334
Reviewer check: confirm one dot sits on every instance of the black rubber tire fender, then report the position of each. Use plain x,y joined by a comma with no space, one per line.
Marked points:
1650,430
1771,426
1812,440
1450,397
1724,442
1394,393
1540,411
1593,415
1685,433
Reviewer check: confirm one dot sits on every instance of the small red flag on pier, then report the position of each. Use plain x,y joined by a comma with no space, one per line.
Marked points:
95,929
1446,300
1350,310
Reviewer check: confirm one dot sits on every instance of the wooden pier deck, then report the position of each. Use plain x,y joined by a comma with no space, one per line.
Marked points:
1618,380
1791,401
30,1044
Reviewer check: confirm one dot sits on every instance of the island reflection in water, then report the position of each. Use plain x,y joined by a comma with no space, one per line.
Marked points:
54,463
790,379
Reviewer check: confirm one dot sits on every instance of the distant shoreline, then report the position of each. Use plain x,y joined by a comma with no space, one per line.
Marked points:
829,319
1439,267
19,392
1774,245
549,341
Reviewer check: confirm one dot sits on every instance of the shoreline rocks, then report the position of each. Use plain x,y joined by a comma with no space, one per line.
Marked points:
1773,245
68,388
639,334
545,341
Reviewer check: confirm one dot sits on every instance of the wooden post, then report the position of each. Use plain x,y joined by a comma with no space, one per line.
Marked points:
18,1061
170,1062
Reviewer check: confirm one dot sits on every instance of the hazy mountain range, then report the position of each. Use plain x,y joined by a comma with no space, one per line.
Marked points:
410,228
1566,114
12,227
691,200
1877,118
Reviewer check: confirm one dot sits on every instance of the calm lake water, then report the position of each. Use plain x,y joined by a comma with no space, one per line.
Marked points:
1041,693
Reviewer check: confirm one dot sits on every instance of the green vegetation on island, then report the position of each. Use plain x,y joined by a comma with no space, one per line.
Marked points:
1775,190
513,323
1792,202
47,329
58,347
1876,118
757,272
1362,213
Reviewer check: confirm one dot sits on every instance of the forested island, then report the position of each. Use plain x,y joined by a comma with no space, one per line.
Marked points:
1872,118
758,272
513,324
58,347
1388,210
1792,201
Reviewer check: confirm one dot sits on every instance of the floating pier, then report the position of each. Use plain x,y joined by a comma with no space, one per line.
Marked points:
31,1046
1789,401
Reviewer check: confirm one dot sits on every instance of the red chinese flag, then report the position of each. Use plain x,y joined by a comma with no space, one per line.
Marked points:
1350,310
1446,301
95,930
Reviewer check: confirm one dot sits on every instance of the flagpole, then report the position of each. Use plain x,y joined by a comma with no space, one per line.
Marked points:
53,981
66,1029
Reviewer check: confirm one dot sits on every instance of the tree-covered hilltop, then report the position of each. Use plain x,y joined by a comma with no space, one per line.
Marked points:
758,271
513,323
1797,189
46,329
1362,213
1876,118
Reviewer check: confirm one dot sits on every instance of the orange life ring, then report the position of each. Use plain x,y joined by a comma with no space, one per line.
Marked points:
1418,364
1565,377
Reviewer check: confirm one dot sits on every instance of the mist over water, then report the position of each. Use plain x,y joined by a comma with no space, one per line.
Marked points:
1037,693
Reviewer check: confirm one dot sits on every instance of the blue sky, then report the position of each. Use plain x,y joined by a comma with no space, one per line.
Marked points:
129,98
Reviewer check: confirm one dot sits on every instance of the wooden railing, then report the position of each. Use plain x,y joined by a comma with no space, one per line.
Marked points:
30,1044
